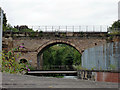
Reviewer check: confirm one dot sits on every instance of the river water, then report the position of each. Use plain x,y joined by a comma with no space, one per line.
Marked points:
105,57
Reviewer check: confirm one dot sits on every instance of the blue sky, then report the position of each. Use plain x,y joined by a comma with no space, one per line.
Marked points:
60,12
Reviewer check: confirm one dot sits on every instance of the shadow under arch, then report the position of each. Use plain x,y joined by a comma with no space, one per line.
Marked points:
46,46
23,60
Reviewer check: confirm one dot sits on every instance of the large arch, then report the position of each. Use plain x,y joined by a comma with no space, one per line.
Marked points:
49,44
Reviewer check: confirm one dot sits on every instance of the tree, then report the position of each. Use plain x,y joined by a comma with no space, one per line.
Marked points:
61,54
8,27
115,28
115,25
23,28
4,20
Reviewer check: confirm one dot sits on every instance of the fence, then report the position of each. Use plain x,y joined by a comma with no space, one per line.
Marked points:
58,67
88,28
114,30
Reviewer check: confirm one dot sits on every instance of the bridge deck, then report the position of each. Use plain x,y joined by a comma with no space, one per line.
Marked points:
51,72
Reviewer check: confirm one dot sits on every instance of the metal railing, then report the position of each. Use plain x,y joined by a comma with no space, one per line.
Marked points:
83,28
57,67
114,30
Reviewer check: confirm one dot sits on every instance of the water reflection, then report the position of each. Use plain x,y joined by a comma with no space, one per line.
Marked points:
70,77
105,57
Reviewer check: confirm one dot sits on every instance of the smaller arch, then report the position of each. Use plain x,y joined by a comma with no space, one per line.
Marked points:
22,57
23,61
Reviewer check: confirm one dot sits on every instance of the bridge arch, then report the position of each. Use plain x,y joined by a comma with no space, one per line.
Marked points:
42,48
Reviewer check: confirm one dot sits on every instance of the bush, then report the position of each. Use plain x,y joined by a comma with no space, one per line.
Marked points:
10,65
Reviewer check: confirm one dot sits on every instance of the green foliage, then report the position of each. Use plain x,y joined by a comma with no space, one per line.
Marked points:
116,24
4,20
115,32
31,67
112,67
93,68
115,28
8,27
10,65
27,30
79,67
23,28
61,54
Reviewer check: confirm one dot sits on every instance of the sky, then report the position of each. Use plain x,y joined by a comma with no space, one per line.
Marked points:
60,12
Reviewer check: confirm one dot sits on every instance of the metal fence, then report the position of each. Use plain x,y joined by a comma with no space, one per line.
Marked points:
89,28
114,30
58,67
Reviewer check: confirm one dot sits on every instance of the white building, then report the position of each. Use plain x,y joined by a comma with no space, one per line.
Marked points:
119,10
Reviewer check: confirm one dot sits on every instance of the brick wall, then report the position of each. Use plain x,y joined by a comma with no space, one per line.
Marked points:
108,77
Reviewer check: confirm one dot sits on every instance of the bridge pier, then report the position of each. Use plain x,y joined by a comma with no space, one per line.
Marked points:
40,62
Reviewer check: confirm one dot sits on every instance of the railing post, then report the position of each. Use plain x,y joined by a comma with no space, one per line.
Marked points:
93,28
59,29
107,28
100,28
79,28
45,28
32,27
39,28
52,28
73,28
66,28
86,28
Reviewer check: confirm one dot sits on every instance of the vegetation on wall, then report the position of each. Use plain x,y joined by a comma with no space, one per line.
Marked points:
11,65
23,28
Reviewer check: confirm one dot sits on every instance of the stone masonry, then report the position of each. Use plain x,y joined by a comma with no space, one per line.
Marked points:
35,43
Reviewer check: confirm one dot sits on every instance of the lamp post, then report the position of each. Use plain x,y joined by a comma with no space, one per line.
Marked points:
119,10
1,29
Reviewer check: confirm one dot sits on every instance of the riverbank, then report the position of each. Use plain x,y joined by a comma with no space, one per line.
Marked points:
26,81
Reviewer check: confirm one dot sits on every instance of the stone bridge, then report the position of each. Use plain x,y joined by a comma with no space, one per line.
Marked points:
35,43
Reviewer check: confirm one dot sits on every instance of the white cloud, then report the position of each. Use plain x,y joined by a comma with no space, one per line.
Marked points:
60,12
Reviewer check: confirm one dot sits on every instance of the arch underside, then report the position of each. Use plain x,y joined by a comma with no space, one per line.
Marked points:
47,45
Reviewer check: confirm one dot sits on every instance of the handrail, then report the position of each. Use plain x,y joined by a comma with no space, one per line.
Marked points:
58,67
